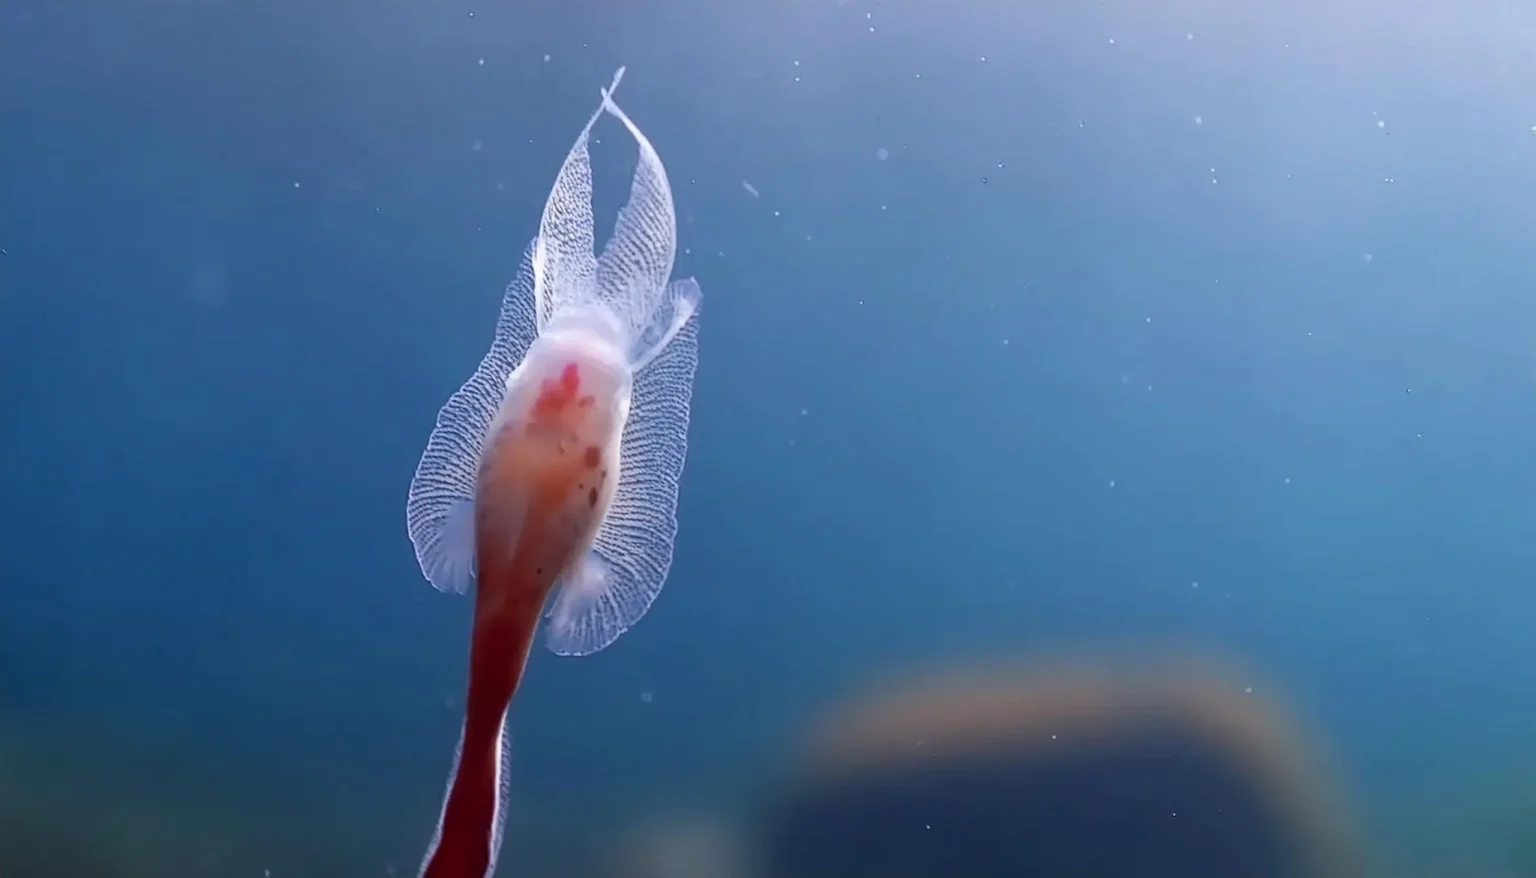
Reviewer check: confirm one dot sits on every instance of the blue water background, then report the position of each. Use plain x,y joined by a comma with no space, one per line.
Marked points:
1042,314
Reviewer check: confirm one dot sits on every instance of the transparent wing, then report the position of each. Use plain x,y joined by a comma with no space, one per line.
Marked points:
637,260
564,268
676,309
630,558
439,510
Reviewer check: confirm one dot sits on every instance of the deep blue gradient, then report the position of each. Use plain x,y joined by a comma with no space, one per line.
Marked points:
1140,296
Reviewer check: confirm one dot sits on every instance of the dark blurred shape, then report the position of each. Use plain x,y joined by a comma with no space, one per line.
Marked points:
1071,771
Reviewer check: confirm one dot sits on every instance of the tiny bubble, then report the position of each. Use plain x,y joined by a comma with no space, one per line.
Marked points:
1248,689
1194,585
546,58
481,62
1369,258
1111,41
295,184
804,412
1380,123
1199,120
882,153
1111,483
1189,36
475,146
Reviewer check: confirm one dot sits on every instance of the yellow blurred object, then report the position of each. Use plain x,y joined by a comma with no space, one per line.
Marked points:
1091,769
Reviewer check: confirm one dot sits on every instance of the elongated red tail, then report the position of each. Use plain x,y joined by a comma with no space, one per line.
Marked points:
469,833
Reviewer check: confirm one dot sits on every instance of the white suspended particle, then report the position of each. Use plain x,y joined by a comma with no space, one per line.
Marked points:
882,153
476,146
751,190
646,696
1199,120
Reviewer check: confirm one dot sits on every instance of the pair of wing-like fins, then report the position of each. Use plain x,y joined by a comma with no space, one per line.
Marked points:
632,551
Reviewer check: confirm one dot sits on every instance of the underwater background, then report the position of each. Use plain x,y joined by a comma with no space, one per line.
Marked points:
1033,332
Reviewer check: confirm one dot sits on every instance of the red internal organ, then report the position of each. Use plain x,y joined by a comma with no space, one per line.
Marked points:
555,395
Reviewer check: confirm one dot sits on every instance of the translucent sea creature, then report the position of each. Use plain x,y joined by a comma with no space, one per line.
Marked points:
555,468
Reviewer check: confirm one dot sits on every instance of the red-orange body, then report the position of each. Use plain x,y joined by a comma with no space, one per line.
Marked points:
542,482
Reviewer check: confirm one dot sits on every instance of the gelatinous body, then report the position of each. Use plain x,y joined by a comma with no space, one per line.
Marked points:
555,468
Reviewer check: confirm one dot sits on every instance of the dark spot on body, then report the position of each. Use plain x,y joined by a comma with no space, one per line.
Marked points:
593,456
592,498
